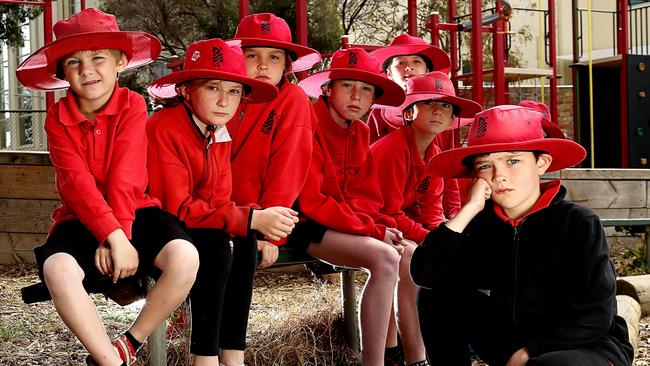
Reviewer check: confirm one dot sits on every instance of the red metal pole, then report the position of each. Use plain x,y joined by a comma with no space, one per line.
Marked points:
83,4
553,57
413,17
301,22
622,49
498,55
453,41
47,37
477,52
244,8
434,19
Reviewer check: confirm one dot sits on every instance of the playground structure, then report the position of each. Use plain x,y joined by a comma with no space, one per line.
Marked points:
613,126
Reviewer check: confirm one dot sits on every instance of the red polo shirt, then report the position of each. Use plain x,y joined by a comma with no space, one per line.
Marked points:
411,190
342,190
191,175
100,165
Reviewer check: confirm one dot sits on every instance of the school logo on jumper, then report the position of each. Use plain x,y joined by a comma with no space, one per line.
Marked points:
353,59
349,171
424,185
266,27
268,124
217,56
438,85
482,127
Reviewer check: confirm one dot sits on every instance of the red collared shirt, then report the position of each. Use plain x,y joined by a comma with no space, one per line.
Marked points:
342,190
411,190
191,175
100,165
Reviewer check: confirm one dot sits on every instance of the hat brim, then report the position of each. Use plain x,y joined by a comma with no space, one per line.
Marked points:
38,71
552,130
260,91
306,57
438,58
392,94
565,153
394,117
468,108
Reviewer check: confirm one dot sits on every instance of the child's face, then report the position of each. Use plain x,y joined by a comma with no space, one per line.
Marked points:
92,75
431,117
349,99
265,64
214,102
513,177
401,68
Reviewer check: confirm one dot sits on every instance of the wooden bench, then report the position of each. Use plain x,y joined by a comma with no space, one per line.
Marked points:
135,288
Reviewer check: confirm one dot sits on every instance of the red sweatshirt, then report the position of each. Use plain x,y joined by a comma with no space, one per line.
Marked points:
342,189
100,165
271,148
191,175
380,127
411,190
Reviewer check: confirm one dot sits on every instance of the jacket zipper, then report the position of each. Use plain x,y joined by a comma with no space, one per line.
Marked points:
517,264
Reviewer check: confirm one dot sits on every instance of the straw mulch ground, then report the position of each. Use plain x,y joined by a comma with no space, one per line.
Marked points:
295,320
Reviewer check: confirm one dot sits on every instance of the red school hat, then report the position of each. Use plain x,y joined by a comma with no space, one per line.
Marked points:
355,64
507,128
90,29
551,129
268,30
215,59
437,86
406,44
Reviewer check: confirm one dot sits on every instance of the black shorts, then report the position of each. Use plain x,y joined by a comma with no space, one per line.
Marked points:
152,229
305,233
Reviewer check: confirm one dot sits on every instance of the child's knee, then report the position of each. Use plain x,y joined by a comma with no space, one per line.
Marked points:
180,256
61,268
386,259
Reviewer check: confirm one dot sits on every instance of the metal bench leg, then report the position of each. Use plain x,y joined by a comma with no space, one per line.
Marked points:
350,316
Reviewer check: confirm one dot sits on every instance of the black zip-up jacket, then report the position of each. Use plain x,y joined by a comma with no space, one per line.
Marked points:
551,275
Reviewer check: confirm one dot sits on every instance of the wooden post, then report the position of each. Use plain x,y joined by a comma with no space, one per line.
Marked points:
350,316
157,341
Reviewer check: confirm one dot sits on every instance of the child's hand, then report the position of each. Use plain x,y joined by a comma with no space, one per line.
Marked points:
269,253
393,237
274,222
123,254
103,260
479,191
519,358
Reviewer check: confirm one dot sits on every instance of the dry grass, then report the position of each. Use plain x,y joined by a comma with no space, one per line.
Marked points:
295,320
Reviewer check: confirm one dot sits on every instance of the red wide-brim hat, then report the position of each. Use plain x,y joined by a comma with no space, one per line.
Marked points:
394,117
214,59
437,86
405,44
268,30
355,64
507,128
551,129
90,29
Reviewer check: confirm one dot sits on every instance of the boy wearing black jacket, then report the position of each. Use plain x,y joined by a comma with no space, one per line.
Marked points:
525,275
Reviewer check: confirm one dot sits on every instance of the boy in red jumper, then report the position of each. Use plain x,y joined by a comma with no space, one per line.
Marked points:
411,190
525,274
189,168
341,199
106,225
